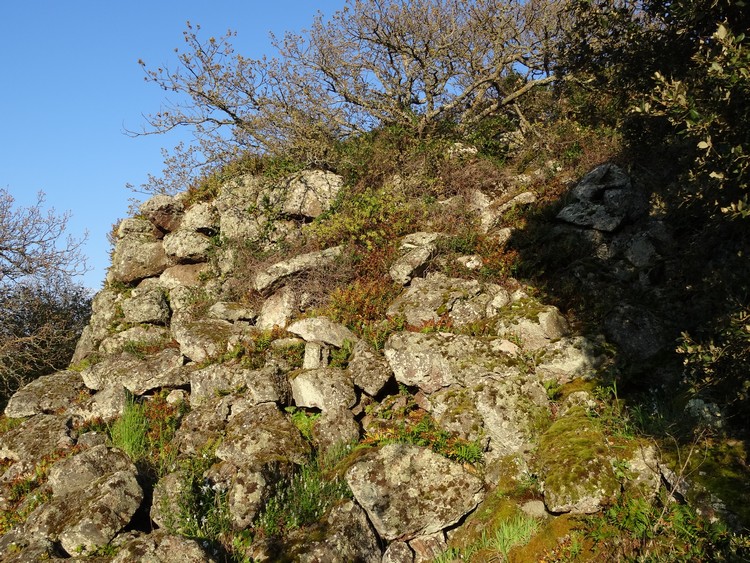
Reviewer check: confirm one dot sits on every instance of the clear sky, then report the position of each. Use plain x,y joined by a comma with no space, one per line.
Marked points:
70,84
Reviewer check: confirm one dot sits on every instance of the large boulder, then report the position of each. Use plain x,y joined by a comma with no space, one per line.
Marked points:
262,434
255,386
88,518
163,211
203,339
328,389
46,394
321,329
162,547
575,470
603,200
409,491
309,193
138,374
76,473
138,253
343,536
266,281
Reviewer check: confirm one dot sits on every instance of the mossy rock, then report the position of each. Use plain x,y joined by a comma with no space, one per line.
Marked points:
574,465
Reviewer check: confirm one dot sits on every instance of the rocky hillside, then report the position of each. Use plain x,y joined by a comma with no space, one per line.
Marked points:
270,377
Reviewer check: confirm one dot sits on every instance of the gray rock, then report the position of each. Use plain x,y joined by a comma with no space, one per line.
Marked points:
93,517
260,435
163,211
265,282
570,358
256,386
138,336
636,331
316,356
136,258
426,300
187,247
133,227
161,547
37,437
369,370
47,394
138,375
201,218
398,552
202,426
437,360
410,491
310,193
324,388
536,326
417,250
321,329
17,547
345,535
603,200
428,548
148,307
76,473
202,339
183,276
108,403
231,311
334,429
278,309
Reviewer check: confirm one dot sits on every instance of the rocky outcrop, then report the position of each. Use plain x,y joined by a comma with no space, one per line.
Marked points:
267,386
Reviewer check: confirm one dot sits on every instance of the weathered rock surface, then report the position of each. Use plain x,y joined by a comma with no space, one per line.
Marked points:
604,199
576,473
75,474
262,434
202,339
327,389
47,394
37,437
369,370
410,491
138,375
137,257
255,386
267,280
161,547
320,329
163,211
309,193
92,517
149,306
345,535
141,336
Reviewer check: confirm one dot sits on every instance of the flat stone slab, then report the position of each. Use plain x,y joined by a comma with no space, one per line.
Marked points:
46,394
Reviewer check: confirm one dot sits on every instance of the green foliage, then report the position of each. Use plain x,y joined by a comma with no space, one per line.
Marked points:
145,431
203,512
510,532
303,421
369,219
361,306
716,367
310,493
129,432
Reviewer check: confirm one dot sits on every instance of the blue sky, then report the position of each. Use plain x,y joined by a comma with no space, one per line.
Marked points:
71,84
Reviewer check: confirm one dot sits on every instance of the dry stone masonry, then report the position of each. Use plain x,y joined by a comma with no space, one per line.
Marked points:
170,321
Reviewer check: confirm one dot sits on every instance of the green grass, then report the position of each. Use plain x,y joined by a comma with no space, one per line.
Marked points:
129,432
311,492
